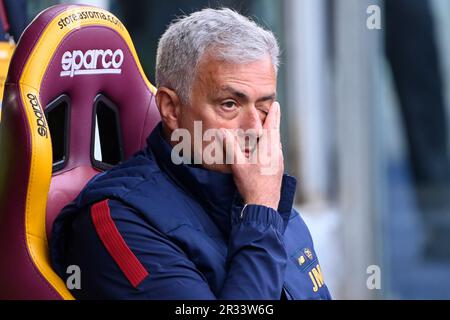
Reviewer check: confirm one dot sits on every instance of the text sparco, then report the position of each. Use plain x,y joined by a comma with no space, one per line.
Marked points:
40,119
95,61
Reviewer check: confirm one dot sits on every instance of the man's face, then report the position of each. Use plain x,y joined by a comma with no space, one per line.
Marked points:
230,96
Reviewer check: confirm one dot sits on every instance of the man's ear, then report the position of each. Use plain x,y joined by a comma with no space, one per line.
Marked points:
169,107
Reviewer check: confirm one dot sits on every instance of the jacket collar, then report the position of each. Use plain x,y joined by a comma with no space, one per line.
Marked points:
215,191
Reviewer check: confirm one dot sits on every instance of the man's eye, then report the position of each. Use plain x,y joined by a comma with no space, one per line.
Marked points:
229,105
264,112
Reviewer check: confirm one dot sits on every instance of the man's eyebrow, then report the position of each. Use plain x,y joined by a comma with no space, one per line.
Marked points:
243,96
234,92
270,97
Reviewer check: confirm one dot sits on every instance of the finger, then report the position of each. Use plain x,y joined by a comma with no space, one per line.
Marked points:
272,125
271,118
278,119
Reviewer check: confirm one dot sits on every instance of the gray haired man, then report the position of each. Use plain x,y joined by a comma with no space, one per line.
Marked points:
219,227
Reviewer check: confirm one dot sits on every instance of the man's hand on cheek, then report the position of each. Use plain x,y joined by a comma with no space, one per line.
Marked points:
258,177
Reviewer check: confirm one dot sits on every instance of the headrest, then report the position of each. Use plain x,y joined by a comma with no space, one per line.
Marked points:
67,43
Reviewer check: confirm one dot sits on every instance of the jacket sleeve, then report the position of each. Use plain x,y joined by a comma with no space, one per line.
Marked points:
153,267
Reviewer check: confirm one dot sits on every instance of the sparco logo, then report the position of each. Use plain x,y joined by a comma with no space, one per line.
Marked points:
40,120
91,62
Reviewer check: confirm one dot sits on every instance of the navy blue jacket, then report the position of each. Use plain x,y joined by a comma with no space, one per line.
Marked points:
150,229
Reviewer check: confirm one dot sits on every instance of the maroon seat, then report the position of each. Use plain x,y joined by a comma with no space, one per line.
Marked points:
75,89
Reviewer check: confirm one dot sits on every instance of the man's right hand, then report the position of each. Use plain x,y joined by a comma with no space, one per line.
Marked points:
257,182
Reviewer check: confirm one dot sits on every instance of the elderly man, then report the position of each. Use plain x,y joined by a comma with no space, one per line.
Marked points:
210,221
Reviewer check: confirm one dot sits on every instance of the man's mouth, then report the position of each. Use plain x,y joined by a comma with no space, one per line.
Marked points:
248,151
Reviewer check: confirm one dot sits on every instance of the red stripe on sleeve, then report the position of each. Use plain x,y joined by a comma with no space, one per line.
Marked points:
115,244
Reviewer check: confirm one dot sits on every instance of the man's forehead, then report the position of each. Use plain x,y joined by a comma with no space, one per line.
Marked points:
217,66
242,93
239,79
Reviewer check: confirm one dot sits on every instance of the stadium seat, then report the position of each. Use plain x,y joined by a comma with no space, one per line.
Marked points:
76,102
